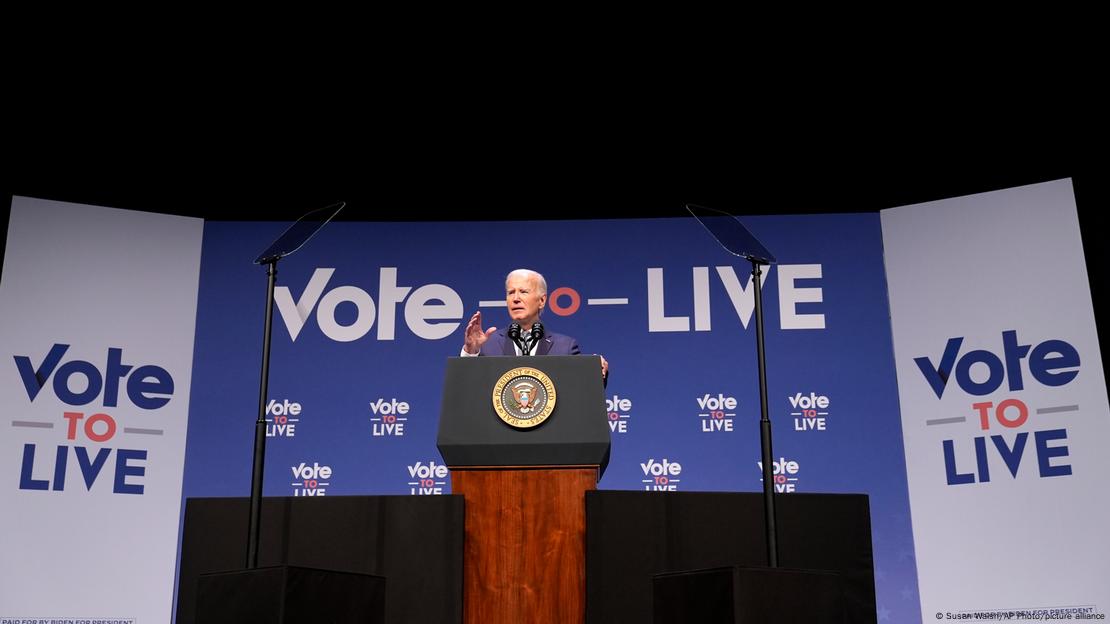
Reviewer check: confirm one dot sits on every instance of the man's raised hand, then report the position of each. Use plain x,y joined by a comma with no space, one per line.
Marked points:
474,337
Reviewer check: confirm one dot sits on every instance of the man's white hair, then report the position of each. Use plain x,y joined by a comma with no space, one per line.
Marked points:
528,274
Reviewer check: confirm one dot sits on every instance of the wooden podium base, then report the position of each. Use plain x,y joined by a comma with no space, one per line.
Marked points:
525,553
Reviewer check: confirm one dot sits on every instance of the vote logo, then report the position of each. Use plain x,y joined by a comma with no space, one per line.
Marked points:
282,418
784,472
388,418
1015,422
619,413
431,311
810,412
716,412
88,431
311,480
661,476
742,298
427,479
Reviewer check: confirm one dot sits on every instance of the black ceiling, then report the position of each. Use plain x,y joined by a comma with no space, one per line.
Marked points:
220,187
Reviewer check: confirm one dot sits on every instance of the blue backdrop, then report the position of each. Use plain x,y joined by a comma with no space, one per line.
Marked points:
359,415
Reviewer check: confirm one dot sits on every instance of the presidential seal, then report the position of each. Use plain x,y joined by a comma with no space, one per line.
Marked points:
524,397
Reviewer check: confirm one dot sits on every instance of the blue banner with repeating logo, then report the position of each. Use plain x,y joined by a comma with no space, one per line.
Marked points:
367,313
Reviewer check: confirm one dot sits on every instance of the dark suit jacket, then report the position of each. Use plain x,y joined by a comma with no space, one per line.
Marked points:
552,344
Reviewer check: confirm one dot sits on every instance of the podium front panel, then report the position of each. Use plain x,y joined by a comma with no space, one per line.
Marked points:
575,434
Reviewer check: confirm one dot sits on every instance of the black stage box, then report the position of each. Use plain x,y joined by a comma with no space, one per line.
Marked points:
415,542
632,536
290,595
739,595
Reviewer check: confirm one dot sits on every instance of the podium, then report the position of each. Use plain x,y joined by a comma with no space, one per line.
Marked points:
524,475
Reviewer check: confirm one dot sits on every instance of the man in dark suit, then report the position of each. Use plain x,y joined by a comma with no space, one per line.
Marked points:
525,298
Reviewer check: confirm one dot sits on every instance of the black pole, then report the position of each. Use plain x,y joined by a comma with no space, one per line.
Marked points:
260,425
770,526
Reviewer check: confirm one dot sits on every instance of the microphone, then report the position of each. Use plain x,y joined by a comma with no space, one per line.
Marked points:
514,335
532,338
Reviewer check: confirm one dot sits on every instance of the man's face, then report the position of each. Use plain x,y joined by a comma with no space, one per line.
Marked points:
524,300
